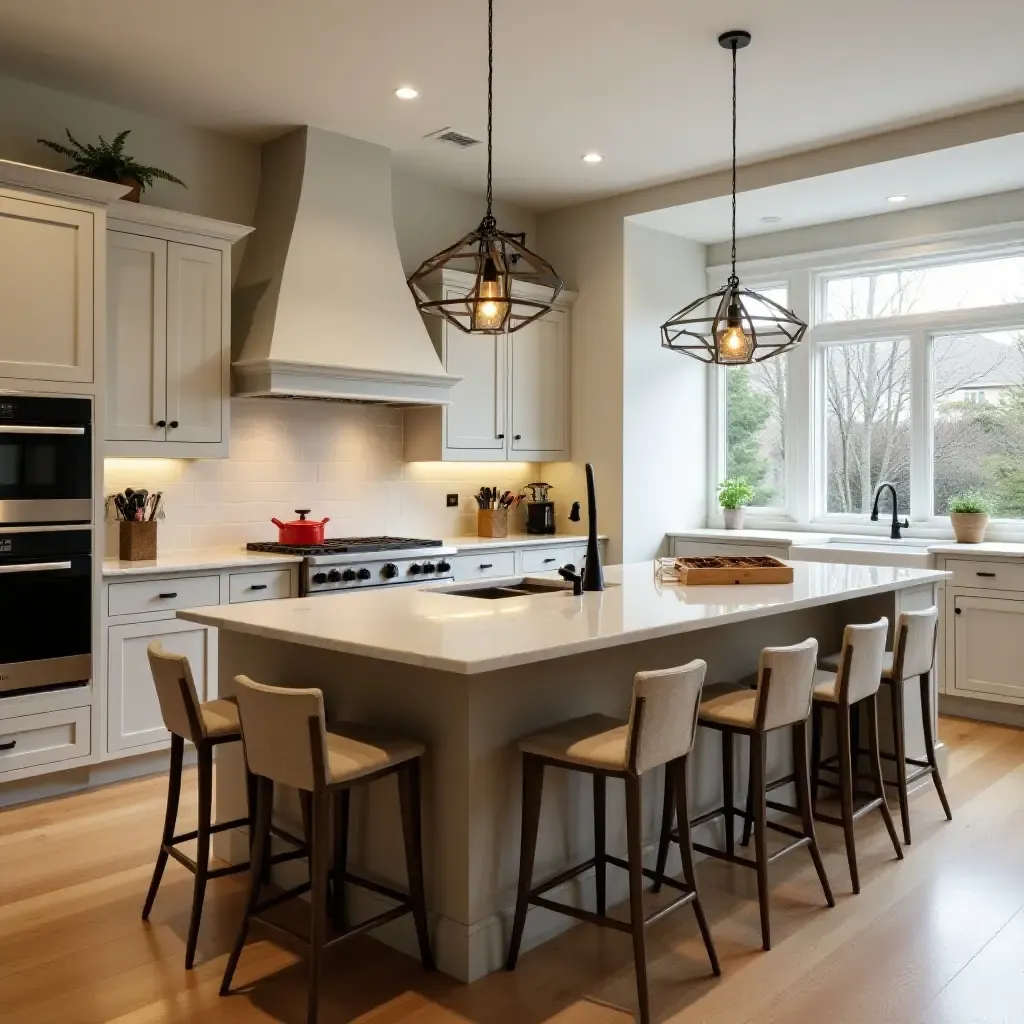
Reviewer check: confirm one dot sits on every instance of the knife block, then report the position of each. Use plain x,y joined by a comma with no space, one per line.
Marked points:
492,522
137,542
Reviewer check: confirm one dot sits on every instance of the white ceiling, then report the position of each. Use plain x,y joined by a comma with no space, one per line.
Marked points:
642,82
982,168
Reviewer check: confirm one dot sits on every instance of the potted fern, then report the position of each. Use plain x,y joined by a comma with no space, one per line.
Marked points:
969,512
108,161
734,496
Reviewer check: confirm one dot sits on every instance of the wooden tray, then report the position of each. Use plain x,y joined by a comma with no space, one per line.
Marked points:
724,570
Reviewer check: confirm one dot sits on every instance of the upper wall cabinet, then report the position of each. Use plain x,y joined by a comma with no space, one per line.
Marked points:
512,404
168,333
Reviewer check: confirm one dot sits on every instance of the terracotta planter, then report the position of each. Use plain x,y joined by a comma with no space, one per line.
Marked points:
733,518
136,189
969,527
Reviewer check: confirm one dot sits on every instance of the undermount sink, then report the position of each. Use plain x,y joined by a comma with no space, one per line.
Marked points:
501,589
882,543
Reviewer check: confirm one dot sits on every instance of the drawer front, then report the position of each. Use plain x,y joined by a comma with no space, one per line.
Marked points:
167,594
547,559
484,565
46,738
994,575
268,585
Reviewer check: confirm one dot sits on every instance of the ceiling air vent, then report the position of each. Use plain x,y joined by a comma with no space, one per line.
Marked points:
451,137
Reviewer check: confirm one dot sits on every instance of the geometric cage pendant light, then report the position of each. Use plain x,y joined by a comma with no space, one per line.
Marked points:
497,260
734,324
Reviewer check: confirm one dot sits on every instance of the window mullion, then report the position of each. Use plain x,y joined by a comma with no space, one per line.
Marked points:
800,408
921,411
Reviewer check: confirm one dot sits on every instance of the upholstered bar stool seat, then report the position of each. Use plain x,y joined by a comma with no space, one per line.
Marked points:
220,719
594,740
355,750
729,704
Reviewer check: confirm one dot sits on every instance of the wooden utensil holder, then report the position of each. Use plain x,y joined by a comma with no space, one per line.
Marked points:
137,542
492,522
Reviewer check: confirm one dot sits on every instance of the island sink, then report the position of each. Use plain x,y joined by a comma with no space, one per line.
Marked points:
509,588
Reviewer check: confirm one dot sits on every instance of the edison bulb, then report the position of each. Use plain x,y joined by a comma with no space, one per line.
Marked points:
734,346
491,307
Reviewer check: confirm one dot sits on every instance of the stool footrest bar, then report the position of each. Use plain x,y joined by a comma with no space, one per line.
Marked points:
580,915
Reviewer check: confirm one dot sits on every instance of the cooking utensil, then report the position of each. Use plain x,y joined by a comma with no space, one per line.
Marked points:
302,530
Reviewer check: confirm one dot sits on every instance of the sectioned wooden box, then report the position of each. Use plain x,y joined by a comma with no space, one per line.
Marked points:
724,570
137,542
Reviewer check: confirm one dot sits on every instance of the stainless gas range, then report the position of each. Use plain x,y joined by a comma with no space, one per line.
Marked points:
356,563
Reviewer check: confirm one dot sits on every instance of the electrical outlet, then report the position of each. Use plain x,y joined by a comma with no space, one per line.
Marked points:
453,501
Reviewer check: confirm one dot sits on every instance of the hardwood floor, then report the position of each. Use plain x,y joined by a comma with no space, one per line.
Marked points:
935,939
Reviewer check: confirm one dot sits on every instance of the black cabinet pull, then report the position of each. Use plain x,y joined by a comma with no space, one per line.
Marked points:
486,565
173,424
990,575
167,597
9,745
161,423
258,586
550,560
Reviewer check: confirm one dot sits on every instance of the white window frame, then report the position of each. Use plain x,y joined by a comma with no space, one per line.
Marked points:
805,275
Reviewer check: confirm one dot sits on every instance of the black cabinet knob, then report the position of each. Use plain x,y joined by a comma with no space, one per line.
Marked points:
501,437
320,577
518,437
173,424
161,423
415,569
957,610
389,571
363,574
334,576
348,575
444,566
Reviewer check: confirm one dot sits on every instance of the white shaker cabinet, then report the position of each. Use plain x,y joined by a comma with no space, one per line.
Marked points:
169,337
475,421
538,393
988,646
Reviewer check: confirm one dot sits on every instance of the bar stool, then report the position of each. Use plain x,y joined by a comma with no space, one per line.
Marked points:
856,681
913,655
660,731
782,698
287,740
205,725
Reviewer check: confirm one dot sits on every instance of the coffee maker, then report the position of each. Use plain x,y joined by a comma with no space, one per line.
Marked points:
540,512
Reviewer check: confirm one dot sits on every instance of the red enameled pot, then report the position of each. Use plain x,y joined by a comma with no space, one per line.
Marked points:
301,530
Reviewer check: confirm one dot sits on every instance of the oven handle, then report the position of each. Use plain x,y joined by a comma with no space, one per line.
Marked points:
14,428
35,567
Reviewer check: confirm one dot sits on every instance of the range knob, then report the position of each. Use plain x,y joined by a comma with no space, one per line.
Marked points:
363,574
334,576
429,567
348,575
415,569
389,571
443,567
320,577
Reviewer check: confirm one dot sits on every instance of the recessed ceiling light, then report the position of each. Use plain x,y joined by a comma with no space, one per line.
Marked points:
406,92
897,199
771,219
592,158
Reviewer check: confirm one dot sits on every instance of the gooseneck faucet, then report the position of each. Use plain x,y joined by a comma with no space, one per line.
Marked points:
592,577
894,533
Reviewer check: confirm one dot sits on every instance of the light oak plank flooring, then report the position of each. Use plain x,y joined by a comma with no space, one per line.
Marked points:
936,939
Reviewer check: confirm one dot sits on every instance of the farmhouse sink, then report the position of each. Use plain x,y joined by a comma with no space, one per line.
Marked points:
907,554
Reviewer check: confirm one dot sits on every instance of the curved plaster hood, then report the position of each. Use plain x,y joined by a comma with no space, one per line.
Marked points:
322,309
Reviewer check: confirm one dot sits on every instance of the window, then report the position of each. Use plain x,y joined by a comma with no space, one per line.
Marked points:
867,423
755,422
978,418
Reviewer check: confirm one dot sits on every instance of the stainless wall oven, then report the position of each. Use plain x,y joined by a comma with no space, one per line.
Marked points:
45,608
45,460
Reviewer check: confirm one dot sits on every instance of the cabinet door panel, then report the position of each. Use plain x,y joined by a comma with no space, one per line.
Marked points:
46,292
197,383
476,417
988,639
133,711
539,391
136,337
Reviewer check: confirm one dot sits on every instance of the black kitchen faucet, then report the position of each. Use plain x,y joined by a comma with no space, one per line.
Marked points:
894,533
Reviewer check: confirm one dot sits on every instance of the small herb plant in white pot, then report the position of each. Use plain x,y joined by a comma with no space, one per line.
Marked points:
969,512
734,496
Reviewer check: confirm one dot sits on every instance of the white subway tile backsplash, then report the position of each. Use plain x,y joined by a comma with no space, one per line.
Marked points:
343,461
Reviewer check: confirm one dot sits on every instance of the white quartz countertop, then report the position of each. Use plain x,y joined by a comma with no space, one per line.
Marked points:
468,635
192,559
518,540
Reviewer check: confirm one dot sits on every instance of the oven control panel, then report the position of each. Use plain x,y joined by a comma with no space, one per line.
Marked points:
327,575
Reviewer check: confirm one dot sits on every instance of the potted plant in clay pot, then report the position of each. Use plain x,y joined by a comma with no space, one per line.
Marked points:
969,512
108,161
734,496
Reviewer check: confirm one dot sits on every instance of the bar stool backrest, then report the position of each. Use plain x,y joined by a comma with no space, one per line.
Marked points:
283,733
914,650
663,719
176,692
785,685
860,664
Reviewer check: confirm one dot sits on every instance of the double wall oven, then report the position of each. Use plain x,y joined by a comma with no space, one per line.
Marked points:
46,504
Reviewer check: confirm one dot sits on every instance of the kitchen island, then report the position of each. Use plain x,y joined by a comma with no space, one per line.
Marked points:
469,675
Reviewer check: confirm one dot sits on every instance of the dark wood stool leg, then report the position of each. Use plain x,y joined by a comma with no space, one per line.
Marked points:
728,791
339,913
876,773
675,779
855,741
806,806
205,752
929,741
846,789
170,819
899,742
260,844
748,821
667,814
410,796
251,787
533,786
319,866
634,844
600,840
817,724
758,796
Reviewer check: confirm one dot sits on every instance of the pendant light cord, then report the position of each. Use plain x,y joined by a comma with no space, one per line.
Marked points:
489,218
734,280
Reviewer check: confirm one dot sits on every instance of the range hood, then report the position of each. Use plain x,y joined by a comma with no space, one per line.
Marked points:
321,307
